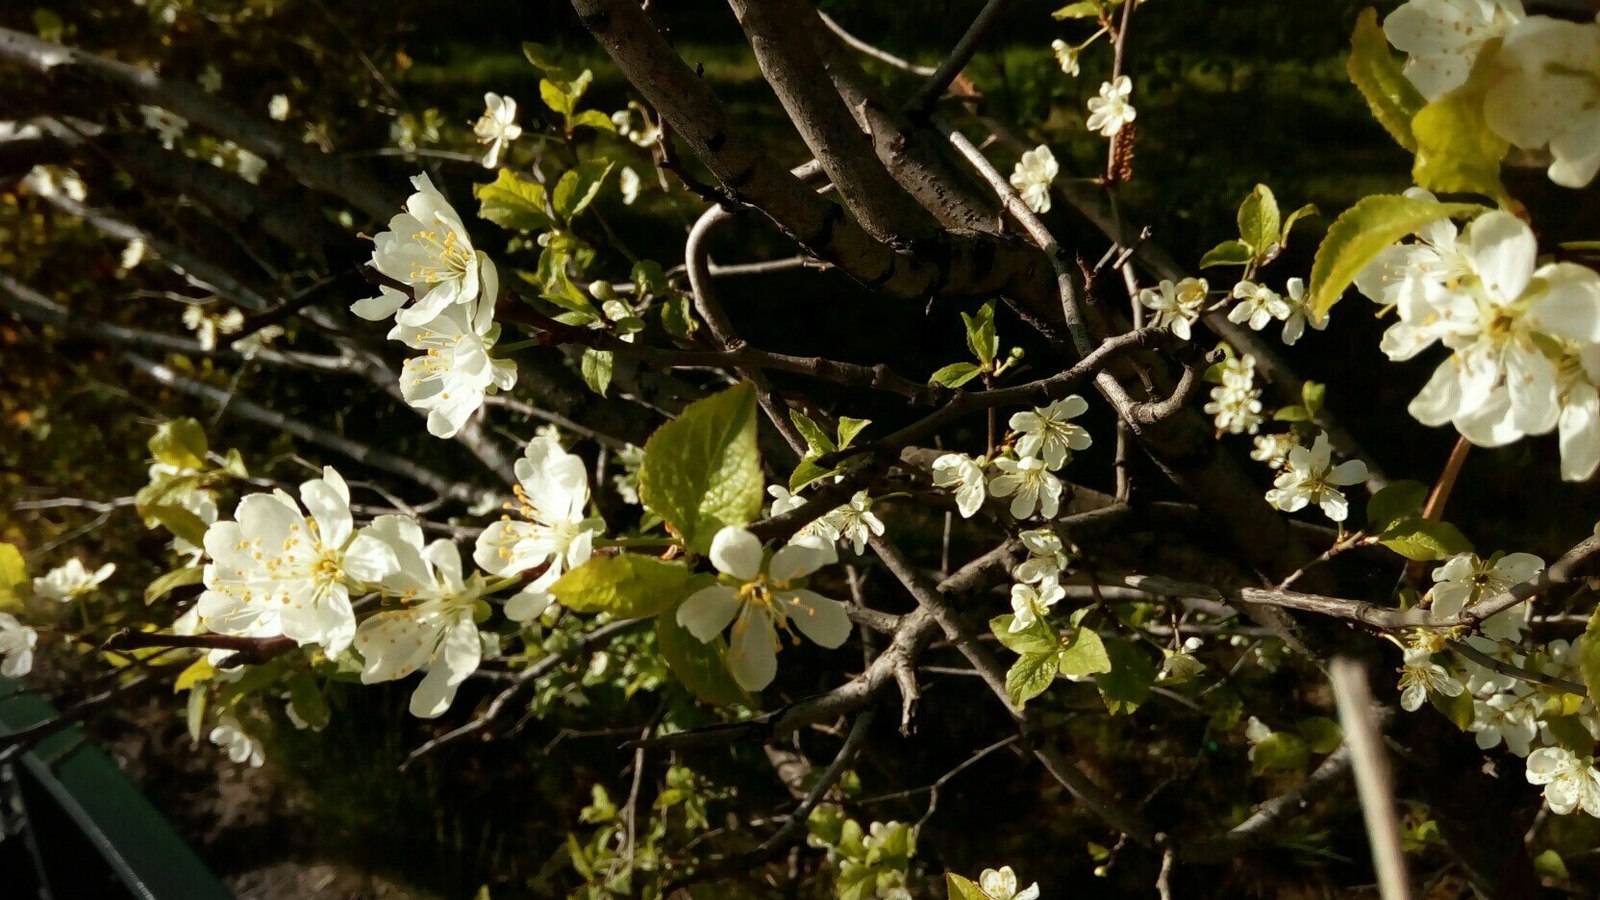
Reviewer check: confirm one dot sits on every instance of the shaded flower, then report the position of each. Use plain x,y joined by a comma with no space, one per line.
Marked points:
70,581
1032,177
1048,432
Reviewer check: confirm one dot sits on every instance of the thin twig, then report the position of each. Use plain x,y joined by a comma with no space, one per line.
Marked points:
1373,784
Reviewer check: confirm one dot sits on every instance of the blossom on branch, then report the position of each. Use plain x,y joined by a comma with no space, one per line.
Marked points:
497,127
760,599
1110,111
1033,176
70,581
1309,476
552,495
273,571
1048,432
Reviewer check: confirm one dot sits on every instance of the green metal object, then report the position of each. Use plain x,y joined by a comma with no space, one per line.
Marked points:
78,804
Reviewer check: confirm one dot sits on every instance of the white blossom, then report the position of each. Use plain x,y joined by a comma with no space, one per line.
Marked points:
1465,579
1547,94
132,255
1420,677
17,642
1235,410
1066,56
1029,604
759,598
274,571
435,631
1273,449
497,127
1176,306
239,745
1029,484
1299,312
1444,37
1048,432
551,496
1002,885
55,181
207,326
427,247
1258,305
1503,718
278,107
628,182
646,135
1309,476
1032,177
168,126
782,500
1570,783
1047,558
70,581
256,341
854,522
1110,111
456,370
964,475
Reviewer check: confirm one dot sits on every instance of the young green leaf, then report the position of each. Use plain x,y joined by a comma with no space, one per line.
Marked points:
1364,231
1310,209
1031,675
1084,9
1280,752
171,581
13,577
700,667
596,368
849,428
1228,253
1589,655
513,202
817,440
1457,151
982,339
578,187
1260,223
1423,541
1128,682
956,887
1084,655
701,471
1395,502
955,374
628,586
1377,74
180,443
1036,638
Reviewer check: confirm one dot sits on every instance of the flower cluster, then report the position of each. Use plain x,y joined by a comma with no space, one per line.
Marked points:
1309,476
1524,338
1033,176
1177,306
1042,441
1236,402
1545,97
1260,305
451,320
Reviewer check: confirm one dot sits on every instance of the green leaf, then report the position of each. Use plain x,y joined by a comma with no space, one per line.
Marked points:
1589,655
1396,501
1260,223
1310,209
1322,735
1376,73
628,586
955,374
1280,752
1425,541
1312,396
195,714
1036,638
171,581
1084,655
560,290
1228,253
596,368
307,699
556,97
1458,709
1550,865
594,118
817,440
959,888
1364,231
849,428
1128,683
700,667
180,443
1291,414
181,522
982,338
1084,9
806,472
1457,152
546,60
513,202
677,317
13,577
579,186
701,471
1030,675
